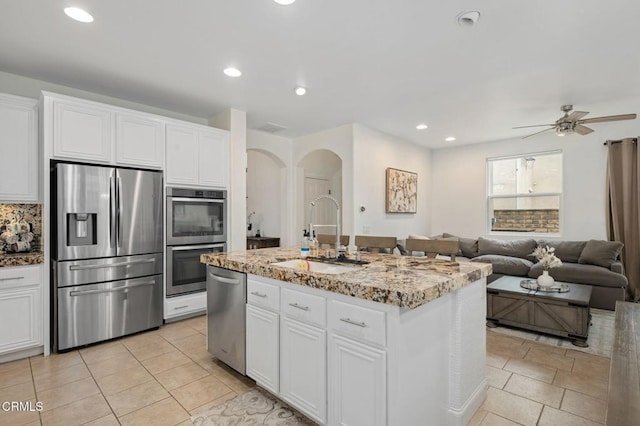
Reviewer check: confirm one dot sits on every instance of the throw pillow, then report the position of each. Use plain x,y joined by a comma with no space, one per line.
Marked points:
567,251
468,246
600,253
515,248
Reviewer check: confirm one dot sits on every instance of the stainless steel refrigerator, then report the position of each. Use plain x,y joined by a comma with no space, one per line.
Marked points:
107,249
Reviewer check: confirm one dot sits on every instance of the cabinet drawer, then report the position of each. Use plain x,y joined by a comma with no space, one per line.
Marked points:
20,276
183,305
361,323
305,307
262,294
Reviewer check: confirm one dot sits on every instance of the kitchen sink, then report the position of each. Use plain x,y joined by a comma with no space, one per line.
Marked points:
312,266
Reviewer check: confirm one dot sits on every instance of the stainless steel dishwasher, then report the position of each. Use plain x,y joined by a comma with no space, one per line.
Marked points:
226,299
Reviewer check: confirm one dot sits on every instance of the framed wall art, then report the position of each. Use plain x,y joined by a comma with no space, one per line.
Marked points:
401,191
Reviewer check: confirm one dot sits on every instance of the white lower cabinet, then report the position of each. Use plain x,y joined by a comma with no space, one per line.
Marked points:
179,306
263,347
357,383
303,368
21,308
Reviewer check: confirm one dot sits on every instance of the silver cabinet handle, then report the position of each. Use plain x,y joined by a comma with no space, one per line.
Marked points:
350,321
180,307
255,293
109,265
11,278
110,290
295,305
223,279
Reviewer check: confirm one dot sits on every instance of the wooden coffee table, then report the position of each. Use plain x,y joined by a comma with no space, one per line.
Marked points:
561,314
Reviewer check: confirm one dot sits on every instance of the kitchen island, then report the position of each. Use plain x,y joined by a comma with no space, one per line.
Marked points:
397,341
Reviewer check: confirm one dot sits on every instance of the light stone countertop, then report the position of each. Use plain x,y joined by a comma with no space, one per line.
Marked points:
21,259
404,281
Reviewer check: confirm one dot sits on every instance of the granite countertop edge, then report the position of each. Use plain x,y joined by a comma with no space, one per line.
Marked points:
403,281
21,259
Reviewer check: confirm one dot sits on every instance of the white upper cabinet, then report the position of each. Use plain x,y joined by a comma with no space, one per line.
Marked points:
197,155
97,133
82,131
19,148
139,140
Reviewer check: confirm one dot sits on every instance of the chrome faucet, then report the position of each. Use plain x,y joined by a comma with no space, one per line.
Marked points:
337,225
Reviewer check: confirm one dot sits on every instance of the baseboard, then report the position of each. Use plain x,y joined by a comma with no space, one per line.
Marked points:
462,416
26,353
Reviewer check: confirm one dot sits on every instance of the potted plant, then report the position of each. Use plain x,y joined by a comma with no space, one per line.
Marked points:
548,260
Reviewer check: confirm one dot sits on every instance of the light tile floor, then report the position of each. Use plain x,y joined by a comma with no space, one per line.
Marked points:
163,377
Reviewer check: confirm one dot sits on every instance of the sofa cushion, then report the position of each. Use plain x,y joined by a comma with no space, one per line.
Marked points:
582,274
506,265
601,253
567,251
468,246
515,248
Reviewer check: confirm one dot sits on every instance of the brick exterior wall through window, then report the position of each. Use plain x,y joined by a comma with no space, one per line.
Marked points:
534,220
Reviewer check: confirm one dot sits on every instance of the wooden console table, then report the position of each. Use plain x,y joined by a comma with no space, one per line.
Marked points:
561,314
262,242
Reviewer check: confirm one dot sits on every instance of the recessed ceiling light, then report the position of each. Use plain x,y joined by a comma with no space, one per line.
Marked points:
232,72
450,139
300,90
284,2
421,126
78,14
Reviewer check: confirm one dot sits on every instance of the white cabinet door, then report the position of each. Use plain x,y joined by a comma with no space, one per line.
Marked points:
19,149
214,158
182,155
139,140
263,347
82,131
357,383
20,308
303,368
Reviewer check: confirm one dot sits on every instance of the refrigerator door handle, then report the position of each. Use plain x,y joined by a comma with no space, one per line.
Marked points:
109,265
119,209
111,290
112,212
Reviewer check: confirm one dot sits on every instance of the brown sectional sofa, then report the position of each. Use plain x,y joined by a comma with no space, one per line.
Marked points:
590,262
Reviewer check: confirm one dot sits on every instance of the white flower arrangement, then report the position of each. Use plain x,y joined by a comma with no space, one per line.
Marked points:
546,257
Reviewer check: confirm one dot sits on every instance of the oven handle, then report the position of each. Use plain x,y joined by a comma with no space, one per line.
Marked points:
196,247
200,200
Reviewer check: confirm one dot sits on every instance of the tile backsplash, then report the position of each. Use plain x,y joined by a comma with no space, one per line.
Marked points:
20,228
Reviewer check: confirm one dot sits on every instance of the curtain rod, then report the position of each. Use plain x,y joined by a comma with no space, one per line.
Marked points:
633,140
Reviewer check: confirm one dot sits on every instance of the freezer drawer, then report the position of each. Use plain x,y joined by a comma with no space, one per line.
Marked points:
77,272
226,300
91,313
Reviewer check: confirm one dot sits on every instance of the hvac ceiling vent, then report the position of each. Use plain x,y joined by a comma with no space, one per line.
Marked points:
271,127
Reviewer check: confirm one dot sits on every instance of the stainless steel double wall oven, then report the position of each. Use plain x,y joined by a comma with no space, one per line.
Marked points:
196,224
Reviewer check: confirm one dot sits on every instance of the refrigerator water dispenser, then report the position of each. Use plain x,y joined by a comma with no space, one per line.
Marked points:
81,229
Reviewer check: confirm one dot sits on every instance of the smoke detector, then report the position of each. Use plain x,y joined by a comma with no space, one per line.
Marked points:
468,18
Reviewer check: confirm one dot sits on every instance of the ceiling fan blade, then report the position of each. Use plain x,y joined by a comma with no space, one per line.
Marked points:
608,118
536,133
576,115
535,125
582,130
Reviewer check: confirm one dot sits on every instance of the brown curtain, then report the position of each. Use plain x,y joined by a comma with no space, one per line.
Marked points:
623,212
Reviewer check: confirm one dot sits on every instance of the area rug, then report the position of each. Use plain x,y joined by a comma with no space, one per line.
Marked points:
251,408
601,331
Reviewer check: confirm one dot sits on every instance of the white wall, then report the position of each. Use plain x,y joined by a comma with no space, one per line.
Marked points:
31,88
279,150
338,140
264,193
459,181
373,153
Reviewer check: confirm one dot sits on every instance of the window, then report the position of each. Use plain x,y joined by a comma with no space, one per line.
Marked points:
524,193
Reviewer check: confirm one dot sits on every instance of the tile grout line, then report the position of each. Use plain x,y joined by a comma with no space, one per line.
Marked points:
35,391
99,388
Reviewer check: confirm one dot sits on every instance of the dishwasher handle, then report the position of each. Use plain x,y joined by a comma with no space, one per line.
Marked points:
225,280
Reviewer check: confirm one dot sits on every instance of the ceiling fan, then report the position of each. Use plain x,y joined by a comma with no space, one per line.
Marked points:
574,123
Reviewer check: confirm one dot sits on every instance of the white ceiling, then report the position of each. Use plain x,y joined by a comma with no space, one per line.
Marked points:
387,64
